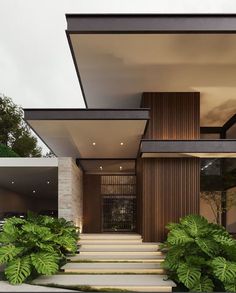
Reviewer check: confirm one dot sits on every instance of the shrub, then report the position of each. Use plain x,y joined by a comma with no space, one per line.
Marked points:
7,152
35,246
200,255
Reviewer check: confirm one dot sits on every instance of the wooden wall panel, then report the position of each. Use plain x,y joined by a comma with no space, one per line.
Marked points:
173,115
167,190
92,204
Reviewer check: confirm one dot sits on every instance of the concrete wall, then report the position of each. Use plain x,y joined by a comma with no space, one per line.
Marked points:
70,191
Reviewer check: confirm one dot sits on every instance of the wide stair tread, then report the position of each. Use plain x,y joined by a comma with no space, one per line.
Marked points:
139,283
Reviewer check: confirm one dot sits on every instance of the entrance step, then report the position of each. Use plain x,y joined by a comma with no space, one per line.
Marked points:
119,247
143,283
99,268
117,256
109,241
110,236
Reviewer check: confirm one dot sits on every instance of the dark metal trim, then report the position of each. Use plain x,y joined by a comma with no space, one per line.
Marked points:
76,67
210,129
229,123
188,146
86,114
150,23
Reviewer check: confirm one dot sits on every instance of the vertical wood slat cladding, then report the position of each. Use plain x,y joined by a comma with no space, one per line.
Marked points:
92,204
167,190
173,115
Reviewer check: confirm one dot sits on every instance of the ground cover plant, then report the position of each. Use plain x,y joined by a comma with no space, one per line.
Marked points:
200,255
35,246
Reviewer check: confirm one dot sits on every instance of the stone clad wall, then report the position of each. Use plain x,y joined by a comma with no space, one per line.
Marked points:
70,191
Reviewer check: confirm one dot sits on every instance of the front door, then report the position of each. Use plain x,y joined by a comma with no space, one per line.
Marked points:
118,196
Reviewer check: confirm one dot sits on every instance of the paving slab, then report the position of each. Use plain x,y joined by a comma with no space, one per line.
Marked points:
6,287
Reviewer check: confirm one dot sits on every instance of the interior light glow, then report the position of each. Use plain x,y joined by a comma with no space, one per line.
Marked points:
100,167
34,191
94,143
12,182
121,167
121,143
48,182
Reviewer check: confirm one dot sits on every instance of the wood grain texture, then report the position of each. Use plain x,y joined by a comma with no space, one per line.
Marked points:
92,204
173,115
167,190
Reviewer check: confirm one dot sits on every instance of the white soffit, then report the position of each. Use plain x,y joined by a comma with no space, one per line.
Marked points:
188,155
75,138
116,68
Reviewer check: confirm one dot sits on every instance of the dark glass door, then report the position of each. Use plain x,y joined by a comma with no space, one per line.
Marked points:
118,195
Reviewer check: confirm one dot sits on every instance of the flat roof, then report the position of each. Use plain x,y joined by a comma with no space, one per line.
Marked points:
28,162
223,148
90,133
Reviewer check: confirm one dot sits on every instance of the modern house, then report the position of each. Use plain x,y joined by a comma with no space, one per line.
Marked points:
159,124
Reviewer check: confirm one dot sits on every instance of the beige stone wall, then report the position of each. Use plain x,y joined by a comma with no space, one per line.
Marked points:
70,191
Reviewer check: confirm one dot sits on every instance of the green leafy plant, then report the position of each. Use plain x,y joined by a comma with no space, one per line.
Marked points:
35,246
200,255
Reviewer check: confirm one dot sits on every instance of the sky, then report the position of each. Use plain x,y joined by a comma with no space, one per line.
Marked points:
36,68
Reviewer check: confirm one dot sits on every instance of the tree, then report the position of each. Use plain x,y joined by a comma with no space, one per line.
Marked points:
214,199
14,132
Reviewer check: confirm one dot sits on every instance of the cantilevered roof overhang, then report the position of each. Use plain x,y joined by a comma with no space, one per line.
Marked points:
90,133
118,57
225,148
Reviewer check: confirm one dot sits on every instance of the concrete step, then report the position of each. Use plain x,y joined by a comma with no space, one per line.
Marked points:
99,268
109,241
118,256
110,236
119,247
139,283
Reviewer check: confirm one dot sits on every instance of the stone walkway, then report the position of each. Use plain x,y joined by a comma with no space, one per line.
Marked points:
6,287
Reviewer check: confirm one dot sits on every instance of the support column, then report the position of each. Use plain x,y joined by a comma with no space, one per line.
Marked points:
70,191
168,188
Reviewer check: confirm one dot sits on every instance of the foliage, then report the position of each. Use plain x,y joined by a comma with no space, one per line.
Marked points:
5,151
200,255
36,245
14,132
215,199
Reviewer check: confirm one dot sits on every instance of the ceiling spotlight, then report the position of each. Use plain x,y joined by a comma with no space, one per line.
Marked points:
94,143
48,182
121,143
34,191
121,167
100,167
12,182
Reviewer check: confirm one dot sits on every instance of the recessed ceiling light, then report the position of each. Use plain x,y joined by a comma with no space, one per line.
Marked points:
100,167
121,143
48,182
121,167
94,143
12,182
34,191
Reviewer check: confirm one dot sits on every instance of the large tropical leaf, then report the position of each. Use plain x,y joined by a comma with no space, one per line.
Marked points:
8,252
208,246
224,270
189,275
45,263
178,237
18,270
41,232
204,285
173,256
68,243
230,287
195,224
224,240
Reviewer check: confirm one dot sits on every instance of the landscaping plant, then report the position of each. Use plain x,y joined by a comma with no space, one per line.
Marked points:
35,246
200,255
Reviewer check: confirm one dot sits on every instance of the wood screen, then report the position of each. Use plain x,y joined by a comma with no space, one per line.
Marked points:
172,115
168,188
